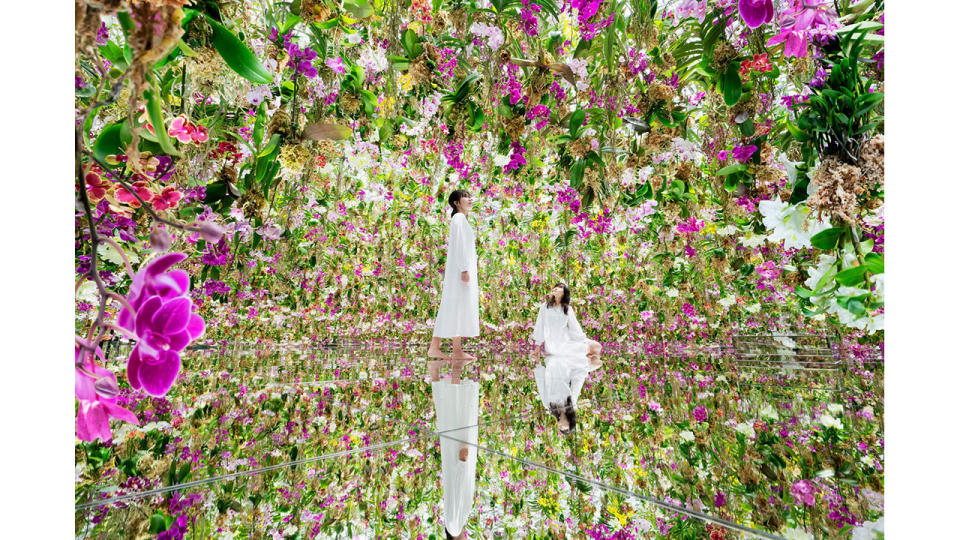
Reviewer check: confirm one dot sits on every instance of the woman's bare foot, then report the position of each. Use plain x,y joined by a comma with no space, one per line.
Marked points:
435,352
456,369
433,367
464,452
462,356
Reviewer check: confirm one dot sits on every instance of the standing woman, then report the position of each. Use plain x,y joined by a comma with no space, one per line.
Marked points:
570,357
459,313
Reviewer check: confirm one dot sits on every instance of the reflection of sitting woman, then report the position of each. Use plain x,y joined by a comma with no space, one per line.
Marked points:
570,357
457,405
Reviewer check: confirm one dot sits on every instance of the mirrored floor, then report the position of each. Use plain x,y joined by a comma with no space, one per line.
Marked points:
302,441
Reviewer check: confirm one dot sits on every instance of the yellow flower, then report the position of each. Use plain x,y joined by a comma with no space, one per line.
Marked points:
174,100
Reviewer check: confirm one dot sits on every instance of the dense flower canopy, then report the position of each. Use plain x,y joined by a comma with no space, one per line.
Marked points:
276,171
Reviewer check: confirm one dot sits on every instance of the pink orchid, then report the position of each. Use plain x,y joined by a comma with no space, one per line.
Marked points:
199,134
180,129
140,188
96,392
168,198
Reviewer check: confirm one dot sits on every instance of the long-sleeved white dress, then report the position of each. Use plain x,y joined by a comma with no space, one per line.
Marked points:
457,406
566,365
459,312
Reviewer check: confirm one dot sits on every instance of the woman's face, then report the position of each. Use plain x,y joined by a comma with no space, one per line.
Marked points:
557,294
465,203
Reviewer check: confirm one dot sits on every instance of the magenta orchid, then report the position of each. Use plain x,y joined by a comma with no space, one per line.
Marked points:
163,322
805,19
756,12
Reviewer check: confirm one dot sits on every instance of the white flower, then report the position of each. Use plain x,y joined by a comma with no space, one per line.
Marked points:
768,412
110,253
835,408
500,160
686,435
354,38
728,230
373,60
746,429
258,94
672,292
752,240
752,308
829,421
727,301
792,224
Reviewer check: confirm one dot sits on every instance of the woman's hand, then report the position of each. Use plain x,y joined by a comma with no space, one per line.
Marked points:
465,276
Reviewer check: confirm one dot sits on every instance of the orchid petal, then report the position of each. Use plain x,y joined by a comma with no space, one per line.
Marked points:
158,378
172,317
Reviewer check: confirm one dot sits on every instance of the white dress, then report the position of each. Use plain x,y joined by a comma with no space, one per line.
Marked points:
457,406
566,348
459,313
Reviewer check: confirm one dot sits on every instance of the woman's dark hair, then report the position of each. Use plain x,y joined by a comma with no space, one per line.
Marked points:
566,409
564,301
449,536
455,198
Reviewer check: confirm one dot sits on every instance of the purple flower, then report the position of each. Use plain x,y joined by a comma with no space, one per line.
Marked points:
743,153
700,415
756,12
807,18
719,500
163,322
516,158
804,491
102,34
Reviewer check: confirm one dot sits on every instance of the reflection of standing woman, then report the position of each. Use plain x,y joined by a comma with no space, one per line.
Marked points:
459,313
457,406
570,357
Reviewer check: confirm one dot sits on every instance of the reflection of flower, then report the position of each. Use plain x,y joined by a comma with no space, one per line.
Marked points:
792,224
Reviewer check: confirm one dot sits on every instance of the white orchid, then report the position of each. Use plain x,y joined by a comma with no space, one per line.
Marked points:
792,224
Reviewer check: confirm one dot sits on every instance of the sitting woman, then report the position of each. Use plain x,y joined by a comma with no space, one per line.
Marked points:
570,357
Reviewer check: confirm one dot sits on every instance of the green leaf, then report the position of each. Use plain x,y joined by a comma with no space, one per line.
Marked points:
803,293
747,129
732,86
155,113
111,141
291,21
237,55
361,9
730,169
411,44
576,120
827,240
157,523
731,182
874,263
260,123
851,276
